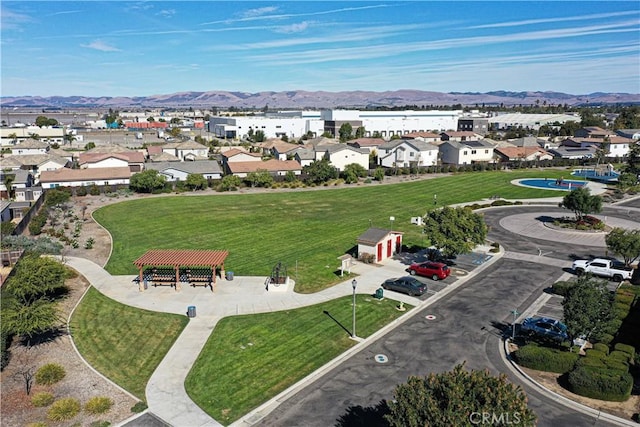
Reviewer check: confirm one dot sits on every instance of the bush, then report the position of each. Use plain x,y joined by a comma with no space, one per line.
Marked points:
41,399
595,354
601,384
81,191
367,258
604,338
625,348
139,407
616,365
49,374
590,362
562,287
545,359
602,348
94,190
64,409
98,405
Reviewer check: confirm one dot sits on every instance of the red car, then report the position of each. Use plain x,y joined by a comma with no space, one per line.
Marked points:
435,270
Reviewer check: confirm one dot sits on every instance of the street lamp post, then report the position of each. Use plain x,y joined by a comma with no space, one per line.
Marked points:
513,330
354,283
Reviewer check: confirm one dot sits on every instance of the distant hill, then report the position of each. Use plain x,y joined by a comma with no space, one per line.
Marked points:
321,99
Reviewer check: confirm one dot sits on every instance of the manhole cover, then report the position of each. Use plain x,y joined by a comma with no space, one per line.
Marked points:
381,358
430,317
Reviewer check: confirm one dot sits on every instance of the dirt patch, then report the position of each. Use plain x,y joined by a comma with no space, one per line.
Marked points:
551,381
80,382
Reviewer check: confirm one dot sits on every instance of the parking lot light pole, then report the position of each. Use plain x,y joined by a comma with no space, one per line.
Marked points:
354,283
515,315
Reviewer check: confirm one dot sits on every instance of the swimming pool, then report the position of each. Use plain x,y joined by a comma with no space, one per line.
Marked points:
552,184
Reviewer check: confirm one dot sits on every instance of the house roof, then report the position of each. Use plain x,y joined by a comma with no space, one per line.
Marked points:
200,166
272,165
470,144
236,151
280,146
334,148
520,152
412,135
305,153
459,134
109,148
128,156
32,160
417,144
191,145
31,143
367,142
154,149
374,235
184,257
88,174
164,157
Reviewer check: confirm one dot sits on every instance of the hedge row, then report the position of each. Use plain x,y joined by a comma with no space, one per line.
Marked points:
562,287
545,359
603,384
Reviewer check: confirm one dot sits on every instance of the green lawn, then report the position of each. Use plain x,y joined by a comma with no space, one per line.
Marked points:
305,230
124,343
250,359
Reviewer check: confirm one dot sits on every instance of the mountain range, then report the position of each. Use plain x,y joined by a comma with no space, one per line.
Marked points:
300,99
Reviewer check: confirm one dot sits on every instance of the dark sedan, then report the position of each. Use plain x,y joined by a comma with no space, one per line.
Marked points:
407,285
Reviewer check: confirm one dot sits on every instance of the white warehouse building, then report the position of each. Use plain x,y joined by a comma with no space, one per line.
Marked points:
295,124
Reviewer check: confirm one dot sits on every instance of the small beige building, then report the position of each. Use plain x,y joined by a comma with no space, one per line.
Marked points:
379,242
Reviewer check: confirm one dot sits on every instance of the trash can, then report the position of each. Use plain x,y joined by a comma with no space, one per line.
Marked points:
191,311
229,275
379,293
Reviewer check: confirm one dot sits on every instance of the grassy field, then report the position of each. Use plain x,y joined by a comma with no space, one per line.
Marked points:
250,359
305,230
124,343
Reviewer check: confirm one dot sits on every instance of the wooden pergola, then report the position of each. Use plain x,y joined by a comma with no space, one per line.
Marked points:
178,259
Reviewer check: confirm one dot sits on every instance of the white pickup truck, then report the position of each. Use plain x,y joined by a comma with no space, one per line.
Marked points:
604,268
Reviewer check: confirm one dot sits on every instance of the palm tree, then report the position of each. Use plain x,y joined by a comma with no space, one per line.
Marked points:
69,137
14,137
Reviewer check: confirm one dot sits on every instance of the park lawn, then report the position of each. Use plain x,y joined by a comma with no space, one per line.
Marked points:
250,359
124,343
305,230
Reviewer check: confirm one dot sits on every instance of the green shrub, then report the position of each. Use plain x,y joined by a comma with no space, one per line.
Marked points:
612,326
590,362
616,365
595,354
41,399
604,338
98,405
94,190
545,359
629,349
139,407
49,374
562,287
624,298
601,384
81,191
64,409
601,347
620,356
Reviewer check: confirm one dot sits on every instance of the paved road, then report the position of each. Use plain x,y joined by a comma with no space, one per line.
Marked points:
467,328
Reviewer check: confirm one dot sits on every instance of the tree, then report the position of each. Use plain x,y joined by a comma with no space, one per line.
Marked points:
45,121
147,181
456,398
259,136
633,159
57,197
259,178
624,243
587,307
150,119
175,132
196,181
629,118
360,132
379,174
352,172
230,183
320,171
13,136
89,146
581,202
69,137
455,231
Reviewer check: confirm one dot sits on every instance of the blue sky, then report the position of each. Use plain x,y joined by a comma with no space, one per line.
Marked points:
121,48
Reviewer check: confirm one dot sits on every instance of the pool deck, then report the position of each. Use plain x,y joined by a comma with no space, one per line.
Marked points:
595,187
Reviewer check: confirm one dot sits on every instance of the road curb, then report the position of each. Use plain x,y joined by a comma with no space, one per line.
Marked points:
517,370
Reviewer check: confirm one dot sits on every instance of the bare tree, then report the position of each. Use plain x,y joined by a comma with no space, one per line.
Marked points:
25,358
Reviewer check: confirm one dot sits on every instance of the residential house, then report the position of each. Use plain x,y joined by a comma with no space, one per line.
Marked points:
66,177
23,188
568,152
30,146
370,144
278,148
629,133
466,153
617,146
134,160
34,163
380,243
179,171
274,167
304,156
239,155
407,153
341,155
430,137
187,151
593,132
526,153
459,136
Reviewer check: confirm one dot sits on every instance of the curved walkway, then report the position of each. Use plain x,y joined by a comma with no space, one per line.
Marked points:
165,392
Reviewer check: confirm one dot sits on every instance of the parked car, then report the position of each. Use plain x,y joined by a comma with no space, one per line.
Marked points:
545,327
435,270
407,285
603,267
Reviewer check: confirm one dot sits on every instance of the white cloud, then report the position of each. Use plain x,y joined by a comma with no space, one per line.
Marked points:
12,20
167,13
64,12
101,46
252,13
581,18
293,28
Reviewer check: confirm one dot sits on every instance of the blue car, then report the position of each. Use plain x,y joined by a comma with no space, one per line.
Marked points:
545,327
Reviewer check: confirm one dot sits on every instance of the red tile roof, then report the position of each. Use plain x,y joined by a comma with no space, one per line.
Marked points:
129,156
181,257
